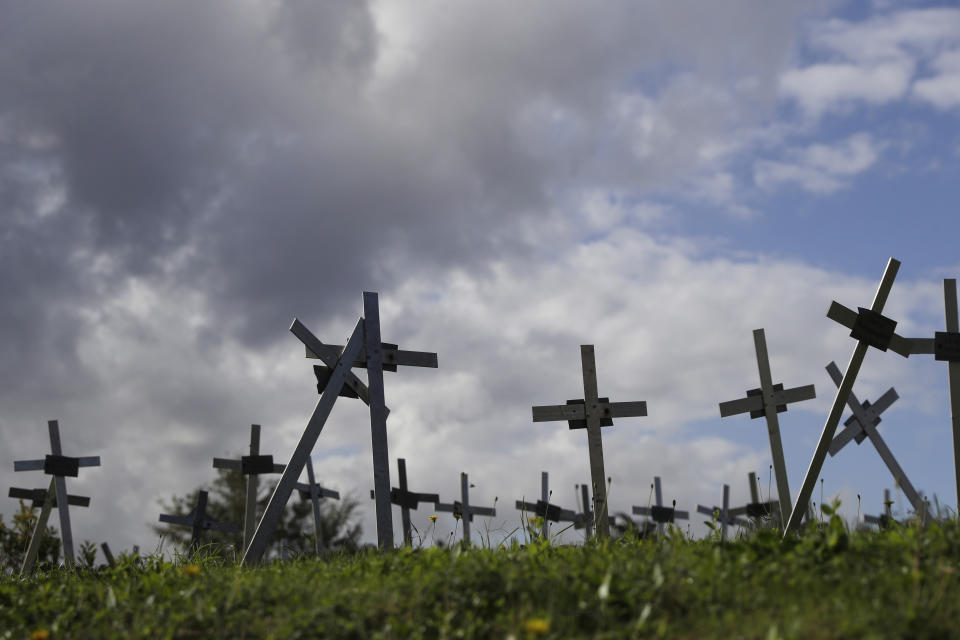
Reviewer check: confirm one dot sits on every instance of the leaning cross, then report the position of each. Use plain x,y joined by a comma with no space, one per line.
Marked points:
377,357
464,509
251,466
59,466
406,500
46,499
339,376
590,413
945,346
314,493
586,516
767,401
658,513
863,424
723,515
870,329
199,521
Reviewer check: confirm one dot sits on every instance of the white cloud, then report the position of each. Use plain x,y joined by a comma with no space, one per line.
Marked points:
943,89
821,87
820,168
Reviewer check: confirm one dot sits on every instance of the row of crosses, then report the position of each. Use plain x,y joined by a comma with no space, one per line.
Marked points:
364,349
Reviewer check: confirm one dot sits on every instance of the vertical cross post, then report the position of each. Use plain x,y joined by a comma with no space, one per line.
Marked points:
34,547
545,497
288,480
767,401
591,413
945,346
378,419
587,512
108,554
869,328
404,509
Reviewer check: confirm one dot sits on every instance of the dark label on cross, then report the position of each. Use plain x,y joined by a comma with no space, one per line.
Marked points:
255,465
759,413
323,374
758,510
663,515
873,328
549,511
582,424
946,346
61,466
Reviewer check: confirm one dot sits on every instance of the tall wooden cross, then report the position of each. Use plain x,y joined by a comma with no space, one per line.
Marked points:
945,346
592,412
315,493
406,500
464,509
767,401
863,424
59,466
723,515
376,357
199,521
657,512
251,466
870,329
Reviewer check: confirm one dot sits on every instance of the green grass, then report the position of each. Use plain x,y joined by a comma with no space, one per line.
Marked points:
828,583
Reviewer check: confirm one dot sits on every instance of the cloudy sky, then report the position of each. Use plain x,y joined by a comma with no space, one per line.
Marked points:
179,180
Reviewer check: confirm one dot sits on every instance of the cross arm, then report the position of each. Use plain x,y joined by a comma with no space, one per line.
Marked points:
314,345
253,469
37,465
37,496
848,318
709,511
755,509
392,356
577,411
661,514
304,490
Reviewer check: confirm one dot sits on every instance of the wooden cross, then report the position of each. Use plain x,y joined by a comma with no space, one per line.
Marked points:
406,500
111,562
945,346
658,513
756,510
883,520
464,509
767,401
723,515
550,512
870,329
46,499
59,466
863,424
199,521
251,466
38,496
314,493
590,413
339,376
586,516
376,357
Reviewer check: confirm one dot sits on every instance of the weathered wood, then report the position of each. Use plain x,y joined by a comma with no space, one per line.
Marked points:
378,419
38,496
849,318
63,502
314,493
30,558
833,419
288,480
404,509
464,508
199,521
39,465
108,555
391,356
587,513
756,509
723,515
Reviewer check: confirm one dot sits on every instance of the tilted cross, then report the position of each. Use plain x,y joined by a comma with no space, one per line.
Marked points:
199,521
592,412
863,424
59,466
251,466
767,401
657,512
945,347
723,515
464,509
870,329
376,357
314,493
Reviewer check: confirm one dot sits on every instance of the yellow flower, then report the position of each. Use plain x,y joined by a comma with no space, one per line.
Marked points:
433,518
536,625
191,570
40,634
456,516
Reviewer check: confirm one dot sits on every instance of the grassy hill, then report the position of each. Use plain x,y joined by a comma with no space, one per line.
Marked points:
827,583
